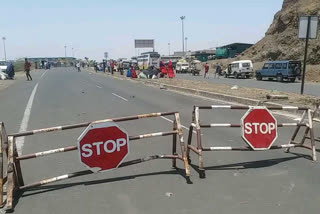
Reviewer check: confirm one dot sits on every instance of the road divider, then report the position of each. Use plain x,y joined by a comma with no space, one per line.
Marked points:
102,146
259,129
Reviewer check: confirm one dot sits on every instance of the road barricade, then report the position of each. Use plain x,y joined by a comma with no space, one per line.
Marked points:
15,180
308,115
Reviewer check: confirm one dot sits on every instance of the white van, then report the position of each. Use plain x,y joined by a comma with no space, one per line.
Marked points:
182,66
240,69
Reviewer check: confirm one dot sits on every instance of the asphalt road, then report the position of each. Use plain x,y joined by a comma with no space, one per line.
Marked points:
310,88
237,182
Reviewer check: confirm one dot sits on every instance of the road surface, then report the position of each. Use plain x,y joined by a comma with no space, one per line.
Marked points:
237,182
310,88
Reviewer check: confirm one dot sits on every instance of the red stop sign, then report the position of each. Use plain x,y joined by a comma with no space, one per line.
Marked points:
103,146
259,128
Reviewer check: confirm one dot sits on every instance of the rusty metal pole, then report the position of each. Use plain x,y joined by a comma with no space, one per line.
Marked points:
183,148
202,173
11,175
174,145
1,163
313,145
17,166
303,117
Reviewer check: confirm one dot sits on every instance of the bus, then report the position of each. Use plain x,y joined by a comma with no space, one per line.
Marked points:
145,60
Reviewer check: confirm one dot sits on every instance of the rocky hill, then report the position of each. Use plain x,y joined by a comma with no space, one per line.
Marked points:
281,40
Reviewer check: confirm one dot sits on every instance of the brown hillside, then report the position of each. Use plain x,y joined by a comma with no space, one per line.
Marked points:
281,40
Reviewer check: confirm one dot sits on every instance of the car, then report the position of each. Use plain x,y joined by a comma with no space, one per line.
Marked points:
3,66
240,69
182,66
288,70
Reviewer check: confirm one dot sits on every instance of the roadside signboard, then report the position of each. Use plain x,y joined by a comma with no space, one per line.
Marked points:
106,55
313,28
259,128
103,146
143,43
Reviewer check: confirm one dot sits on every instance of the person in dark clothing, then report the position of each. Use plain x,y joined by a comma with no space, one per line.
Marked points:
10,71
27,66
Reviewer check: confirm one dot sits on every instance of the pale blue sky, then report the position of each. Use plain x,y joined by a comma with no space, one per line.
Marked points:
42,28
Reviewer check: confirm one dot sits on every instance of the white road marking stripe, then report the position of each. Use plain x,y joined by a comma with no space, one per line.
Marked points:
43,74
171,121
25,120
119,97
98,86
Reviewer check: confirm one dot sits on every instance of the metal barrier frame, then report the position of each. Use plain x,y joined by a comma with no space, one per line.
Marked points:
199,149
14,174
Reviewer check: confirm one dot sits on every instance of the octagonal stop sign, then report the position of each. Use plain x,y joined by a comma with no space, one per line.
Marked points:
103,146
259,128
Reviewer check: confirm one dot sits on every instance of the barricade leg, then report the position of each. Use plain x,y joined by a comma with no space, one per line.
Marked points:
189,143
17,166
313,145
296,131
183,149
202,173
174,145
11,183
1,163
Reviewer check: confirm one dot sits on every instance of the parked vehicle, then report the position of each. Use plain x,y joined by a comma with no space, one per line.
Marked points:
3,66
148,59
195,67
240,69
182,66
280,70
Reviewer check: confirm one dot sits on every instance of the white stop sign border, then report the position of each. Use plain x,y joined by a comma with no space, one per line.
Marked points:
97,126
243,128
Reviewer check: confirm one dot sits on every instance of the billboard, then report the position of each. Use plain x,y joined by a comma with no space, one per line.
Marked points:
143,43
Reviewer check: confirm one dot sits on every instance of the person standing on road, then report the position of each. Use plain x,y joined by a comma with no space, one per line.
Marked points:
112,67
78,66
108,65
104,66
27,66
206,71
218,68
170,70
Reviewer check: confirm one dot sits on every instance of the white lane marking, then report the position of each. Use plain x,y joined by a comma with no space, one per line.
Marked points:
171,121
43,74
119,97
98,86
25,120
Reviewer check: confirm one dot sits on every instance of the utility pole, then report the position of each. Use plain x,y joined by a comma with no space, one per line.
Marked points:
4,48
305,56
186,44
182,19
65,50
169,48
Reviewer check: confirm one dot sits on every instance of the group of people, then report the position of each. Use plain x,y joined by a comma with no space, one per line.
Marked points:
132,72
216,74
167,71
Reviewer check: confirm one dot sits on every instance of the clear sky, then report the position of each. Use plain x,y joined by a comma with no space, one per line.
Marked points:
37,28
